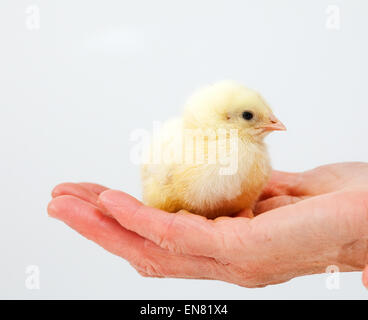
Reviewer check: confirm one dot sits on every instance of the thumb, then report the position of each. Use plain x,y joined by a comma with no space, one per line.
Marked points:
281,183
365,276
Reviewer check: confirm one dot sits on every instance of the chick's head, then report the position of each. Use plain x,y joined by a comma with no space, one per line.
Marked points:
230,105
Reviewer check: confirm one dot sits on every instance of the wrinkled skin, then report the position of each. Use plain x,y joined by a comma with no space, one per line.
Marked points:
304,223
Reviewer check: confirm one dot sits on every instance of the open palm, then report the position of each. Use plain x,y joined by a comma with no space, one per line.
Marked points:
304,223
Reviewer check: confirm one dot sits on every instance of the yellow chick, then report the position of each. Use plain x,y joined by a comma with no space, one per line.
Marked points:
212,161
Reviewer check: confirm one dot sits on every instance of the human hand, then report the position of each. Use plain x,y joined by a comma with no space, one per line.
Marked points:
309,221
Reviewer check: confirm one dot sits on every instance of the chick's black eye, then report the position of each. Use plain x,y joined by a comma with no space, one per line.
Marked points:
247,115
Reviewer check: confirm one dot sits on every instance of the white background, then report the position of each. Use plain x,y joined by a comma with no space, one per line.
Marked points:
72,91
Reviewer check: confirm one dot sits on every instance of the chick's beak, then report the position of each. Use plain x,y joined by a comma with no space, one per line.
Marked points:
274,124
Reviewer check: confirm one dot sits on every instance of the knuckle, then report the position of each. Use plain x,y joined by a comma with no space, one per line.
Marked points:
150,269
146,275
165,241
142,273
168,239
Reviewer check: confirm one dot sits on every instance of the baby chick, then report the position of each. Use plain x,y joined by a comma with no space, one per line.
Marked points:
185,168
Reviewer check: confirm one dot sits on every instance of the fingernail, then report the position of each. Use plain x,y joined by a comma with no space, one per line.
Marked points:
52,209
103,208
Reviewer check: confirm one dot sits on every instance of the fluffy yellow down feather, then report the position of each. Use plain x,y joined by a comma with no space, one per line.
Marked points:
212,161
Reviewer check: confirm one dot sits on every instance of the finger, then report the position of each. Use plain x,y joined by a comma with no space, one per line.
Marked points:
183,233
148,258
96,188
76,190
276,202
365,276
281,183
246,213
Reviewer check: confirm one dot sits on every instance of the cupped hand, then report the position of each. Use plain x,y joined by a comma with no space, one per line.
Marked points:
309,221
